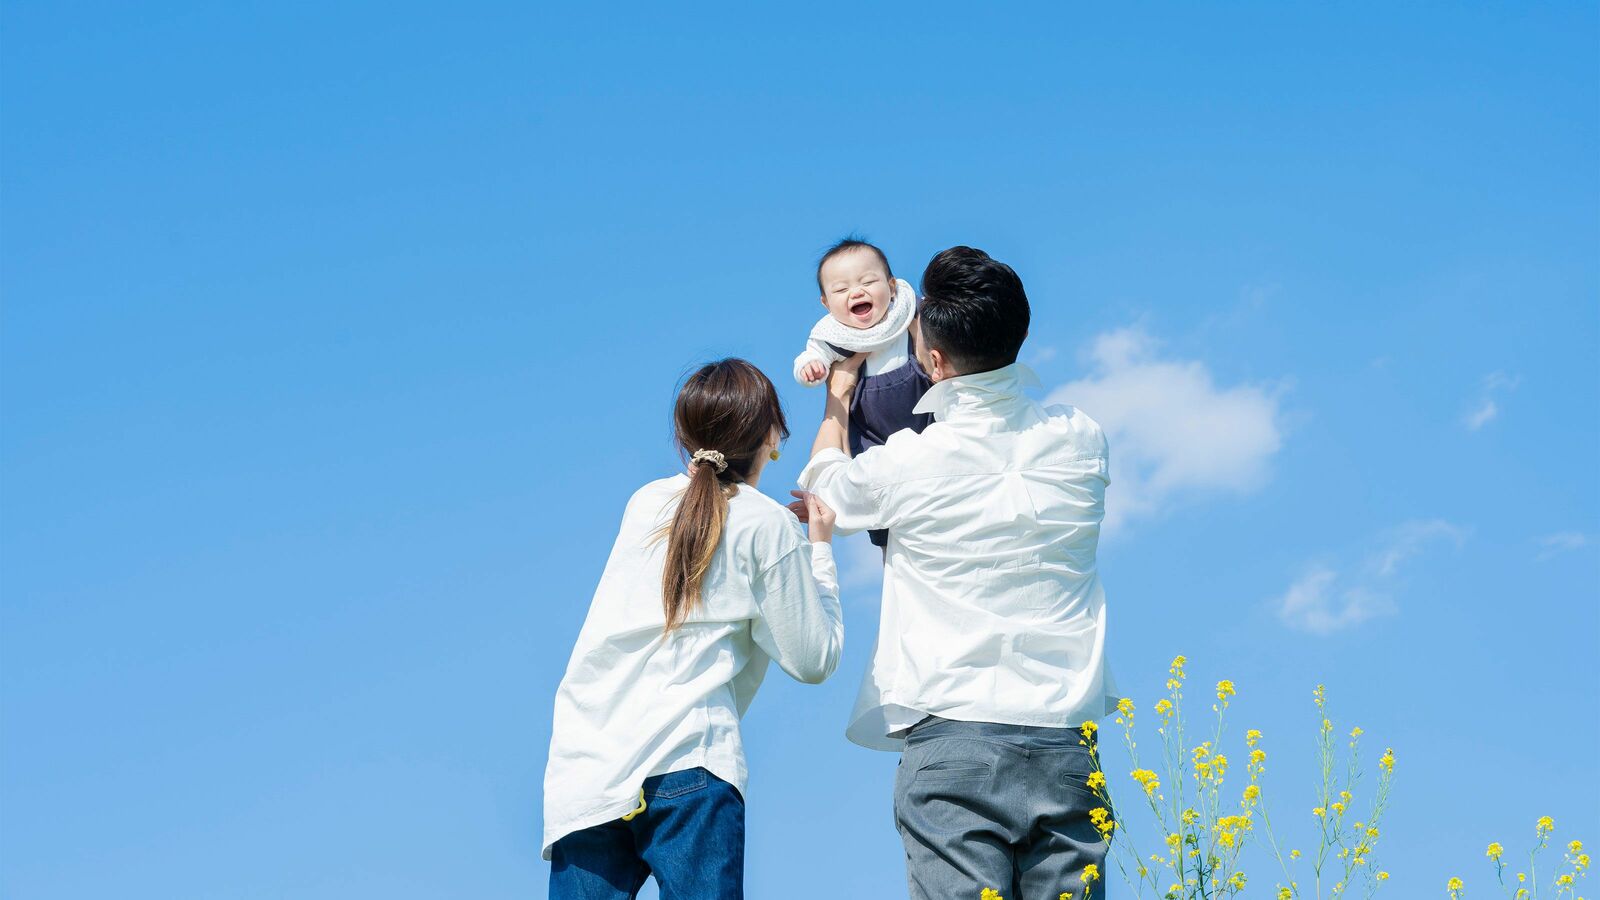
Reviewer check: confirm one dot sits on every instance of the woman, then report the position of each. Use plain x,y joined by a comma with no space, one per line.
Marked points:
708,580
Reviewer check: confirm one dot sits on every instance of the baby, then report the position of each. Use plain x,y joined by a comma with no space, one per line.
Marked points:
869,311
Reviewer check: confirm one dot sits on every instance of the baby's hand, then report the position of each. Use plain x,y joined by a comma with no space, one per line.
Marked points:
814,372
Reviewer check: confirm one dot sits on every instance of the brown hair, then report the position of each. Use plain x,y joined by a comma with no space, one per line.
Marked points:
729,407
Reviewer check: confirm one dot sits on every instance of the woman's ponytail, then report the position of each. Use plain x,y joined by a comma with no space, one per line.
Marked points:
692,541
725,415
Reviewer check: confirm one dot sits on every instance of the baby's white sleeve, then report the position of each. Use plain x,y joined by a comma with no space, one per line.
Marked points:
816,351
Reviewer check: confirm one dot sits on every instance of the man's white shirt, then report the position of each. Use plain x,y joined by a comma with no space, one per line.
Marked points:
992,605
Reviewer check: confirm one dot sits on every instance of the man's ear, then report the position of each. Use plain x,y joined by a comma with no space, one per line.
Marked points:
941,366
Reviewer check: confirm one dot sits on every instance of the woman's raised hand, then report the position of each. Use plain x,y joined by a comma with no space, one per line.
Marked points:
817,515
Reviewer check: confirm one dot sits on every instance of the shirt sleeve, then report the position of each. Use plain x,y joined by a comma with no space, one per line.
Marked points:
855,488
816,351
801,626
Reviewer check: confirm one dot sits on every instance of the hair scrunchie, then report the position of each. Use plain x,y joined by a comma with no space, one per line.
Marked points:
714,457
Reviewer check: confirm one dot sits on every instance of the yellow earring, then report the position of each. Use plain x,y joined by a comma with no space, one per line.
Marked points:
774,455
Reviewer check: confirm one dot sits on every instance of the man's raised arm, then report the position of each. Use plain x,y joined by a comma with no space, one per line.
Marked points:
846,484
834,432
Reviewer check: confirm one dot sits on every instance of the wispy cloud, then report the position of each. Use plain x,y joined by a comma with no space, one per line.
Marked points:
1552,545
1174,431
1410,539
1324,600
1316,603
1482,415
860,566
1487,406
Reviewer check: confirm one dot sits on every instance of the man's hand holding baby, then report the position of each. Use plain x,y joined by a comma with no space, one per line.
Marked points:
843,375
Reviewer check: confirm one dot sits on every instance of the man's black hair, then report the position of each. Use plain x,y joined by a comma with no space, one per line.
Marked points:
973,310
846,244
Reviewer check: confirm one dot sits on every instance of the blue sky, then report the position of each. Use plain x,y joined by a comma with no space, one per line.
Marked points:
335,339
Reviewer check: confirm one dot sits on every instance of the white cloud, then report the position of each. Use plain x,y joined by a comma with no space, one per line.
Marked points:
1487,407
1481,416
1173,430
1315,604
1042,355
1410,539
860,566
1323,601
1561,542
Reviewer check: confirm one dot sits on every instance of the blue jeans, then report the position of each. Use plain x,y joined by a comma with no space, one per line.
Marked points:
983,805
690,836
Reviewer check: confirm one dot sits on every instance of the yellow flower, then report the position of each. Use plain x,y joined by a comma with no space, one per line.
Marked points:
1355,733
1575,847
1285,894
1257,756
1453,884
1090,873
1582,861
1564,880
1190,817
1494,851
1294,854
1147,780
1386,762
1251,792
1545,825
1319,812
1225,689
1163,707
1173,840
991,894
1383,876
1097,780
1125,706
1178,662
1251,737
1101,817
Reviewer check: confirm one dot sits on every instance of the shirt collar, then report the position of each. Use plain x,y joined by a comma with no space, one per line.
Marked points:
981,387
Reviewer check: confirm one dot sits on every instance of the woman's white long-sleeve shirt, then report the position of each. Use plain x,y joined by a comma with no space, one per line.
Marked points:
635,703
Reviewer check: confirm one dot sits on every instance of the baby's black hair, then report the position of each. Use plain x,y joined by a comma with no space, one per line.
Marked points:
845,244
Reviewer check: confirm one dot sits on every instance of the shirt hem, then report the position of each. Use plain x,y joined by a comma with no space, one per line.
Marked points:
726,770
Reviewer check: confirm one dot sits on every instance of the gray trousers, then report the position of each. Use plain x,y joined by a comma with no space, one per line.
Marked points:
983,805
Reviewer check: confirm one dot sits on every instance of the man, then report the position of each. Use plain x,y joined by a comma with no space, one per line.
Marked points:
991,644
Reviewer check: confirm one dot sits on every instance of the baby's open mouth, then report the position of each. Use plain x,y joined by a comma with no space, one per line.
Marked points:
861,310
